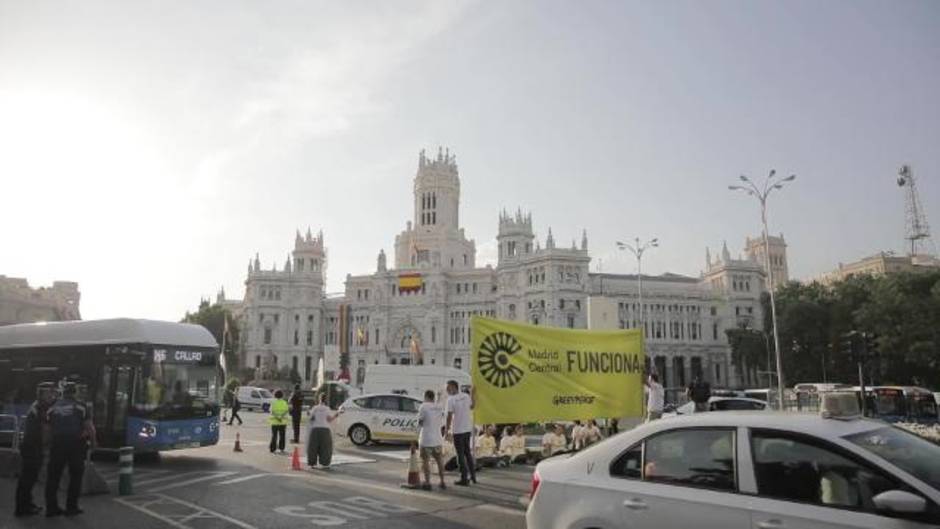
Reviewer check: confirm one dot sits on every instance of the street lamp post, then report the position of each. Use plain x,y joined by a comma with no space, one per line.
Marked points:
761,194
637,249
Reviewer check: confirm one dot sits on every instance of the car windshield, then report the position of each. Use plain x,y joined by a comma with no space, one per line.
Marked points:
265,394
904,450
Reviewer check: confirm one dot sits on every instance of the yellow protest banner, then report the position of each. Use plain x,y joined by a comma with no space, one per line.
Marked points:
529,373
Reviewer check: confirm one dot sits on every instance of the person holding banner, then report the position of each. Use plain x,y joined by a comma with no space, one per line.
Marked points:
460,429
655,398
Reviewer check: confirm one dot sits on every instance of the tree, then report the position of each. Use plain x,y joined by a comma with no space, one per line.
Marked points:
901,311
213,317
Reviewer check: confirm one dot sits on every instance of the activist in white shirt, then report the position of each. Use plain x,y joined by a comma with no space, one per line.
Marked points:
655,398
320,440
554,441
431,438
460,427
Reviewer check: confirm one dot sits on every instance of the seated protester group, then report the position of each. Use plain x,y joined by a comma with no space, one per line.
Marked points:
512,445
485,452
554,441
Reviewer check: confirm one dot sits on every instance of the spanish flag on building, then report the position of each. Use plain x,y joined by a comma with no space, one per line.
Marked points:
410,282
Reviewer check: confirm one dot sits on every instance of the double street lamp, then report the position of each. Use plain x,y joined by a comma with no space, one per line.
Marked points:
761,193
637,249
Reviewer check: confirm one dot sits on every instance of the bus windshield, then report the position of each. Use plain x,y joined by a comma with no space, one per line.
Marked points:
178,390
889,402
923,407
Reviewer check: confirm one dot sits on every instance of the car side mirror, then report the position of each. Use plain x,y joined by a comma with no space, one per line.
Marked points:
899,501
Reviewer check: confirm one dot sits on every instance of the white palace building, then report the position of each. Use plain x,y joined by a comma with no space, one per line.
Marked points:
417,307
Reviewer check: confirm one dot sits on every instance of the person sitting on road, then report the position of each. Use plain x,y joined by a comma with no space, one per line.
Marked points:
512,446
554,441
485,451
590,434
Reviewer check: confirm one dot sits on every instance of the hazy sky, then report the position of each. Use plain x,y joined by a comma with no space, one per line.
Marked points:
149,149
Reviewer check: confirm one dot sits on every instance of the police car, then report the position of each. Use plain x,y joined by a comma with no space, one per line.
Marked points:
744,469
379,417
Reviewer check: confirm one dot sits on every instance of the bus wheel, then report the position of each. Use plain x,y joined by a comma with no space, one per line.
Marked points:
359,434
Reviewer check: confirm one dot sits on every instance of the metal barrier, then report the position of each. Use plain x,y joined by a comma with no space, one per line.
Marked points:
9,432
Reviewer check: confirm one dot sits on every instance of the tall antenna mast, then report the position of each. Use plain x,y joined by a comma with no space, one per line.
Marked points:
917,229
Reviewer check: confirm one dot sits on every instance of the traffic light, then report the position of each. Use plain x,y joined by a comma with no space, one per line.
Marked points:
871,345
848,345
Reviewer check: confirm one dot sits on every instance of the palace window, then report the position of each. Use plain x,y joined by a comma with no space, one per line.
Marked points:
571,321
296,337
257,361
309,337
267,336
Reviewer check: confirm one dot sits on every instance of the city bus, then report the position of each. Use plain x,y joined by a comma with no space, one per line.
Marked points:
153,385
902,404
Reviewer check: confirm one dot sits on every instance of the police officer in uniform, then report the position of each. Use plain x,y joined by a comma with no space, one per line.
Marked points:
70,427
31,449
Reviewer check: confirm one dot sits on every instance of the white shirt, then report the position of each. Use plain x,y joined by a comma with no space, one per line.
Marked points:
555,443
319,416
654,401
431,418
459,405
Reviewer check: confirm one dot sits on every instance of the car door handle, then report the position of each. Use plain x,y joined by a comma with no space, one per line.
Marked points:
771,524
635,504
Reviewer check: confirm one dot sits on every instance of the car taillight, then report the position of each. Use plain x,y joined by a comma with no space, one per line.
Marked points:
536,481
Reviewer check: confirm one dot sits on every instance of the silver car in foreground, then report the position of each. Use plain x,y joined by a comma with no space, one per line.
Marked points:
762,470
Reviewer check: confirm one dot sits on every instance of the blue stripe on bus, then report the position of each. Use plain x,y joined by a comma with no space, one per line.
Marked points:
151,435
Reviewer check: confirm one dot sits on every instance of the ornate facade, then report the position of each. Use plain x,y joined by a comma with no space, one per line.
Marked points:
20,303
419,310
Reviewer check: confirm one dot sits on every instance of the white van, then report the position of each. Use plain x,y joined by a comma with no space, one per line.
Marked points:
412,380
255,398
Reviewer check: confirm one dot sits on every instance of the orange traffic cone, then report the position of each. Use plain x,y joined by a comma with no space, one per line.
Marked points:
238,442
295,460
414,477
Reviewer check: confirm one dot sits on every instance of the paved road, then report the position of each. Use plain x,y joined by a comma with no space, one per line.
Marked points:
215,488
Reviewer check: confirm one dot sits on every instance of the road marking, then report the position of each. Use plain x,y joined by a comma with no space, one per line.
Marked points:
348,459
243,478
143,482
397,455
339,512
500,509
385,488
212,475
144,504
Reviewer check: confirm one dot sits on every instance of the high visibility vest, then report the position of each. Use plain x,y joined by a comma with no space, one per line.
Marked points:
279,411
